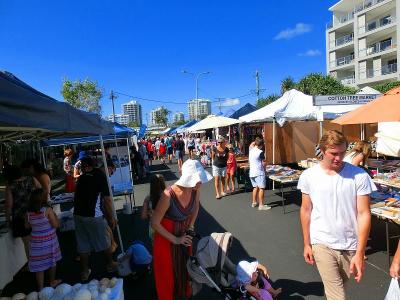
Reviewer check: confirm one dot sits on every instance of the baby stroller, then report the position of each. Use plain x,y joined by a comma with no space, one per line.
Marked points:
211,266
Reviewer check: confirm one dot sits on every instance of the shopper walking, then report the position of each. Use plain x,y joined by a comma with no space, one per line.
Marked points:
179,152
335,216
220,158
175,214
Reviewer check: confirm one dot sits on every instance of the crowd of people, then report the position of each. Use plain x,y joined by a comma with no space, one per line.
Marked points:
335,214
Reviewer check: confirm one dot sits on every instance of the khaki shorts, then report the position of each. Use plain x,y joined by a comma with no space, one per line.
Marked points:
91,234
334,269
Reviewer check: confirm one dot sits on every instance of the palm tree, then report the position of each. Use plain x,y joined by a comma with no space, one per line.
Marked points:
287,84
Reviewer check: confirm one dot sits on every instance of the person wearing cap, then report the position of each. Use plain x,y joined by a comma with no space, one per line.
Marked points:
220,160
77,166
253,276
174,215
93,213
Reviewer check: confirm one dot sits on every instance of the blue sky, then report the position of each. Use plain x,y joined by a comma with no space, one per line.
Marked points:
139,48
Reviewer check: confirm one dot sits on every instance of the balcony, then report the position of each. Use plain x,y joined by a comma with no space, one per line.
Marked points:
344,40
378,23
377,47
385,70
367,4
345,60
348,80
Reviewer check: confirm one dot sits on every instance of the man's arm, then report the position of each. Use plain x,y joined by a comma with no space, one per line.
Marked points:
305,218
357,264
108,211
395,267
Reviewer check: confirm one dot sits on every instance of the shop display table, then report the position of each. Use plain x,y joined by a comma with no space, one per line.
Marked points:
284,181
12,257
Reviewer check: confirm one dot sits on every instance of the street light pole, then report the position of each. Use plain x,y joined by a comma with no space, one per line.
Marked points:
112,97
197,76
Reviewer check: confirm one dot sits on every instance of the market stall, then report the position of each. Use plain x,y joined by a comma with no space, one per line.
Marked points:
385,203
27,115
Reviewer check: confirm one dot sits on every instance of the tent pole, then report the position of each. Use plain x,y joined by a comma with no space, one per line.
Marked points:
273,149
130,162
362,130
103,154
320,129
120,167
43,156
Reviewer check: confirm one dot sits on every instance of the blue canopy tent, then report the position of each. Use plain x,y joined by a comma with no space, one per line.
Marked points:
121,132
142,131
244,110
29,115
180,128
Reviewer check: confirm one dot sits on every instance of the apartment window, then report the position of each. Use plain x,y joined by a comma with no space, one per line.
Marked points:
371,26
385,44
386,20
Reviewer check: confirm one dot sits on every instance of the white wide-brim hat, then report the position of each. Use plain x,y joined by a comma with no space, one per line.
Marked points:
192,173
245,270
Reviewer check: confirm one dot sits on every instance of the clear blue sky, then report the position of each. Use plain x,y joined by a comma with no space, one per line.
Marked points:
141,47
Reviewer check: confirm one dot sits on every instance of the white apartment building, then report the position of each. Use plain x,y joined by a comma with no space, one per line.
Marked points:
134,110
120,119
178,116
199,108
361,42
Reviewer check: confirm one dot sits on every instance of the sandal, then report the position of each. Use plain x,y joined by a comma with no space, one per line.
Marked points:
85,275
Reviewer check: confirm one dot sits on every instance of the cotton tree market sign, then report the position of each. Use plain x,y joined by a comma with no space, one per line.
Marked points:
343,99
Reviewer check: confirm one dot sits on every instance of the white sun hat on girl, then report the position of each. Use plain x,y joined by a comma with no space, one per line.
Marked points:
192,173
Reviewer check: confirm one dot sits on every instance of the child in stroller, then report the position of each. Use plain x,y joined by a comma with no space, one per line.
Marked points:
253,276
211,266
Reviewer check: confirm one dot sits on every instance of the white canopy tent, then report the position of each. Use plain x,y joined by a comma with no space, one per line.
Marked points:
388,142
212,121
294,106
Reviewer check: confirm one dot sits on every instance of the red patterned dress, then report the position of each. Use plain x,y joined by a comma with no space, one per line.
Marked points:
172,279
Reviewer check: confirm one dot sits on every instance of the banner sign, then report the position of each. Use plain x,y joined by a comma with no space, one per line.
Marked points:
343,99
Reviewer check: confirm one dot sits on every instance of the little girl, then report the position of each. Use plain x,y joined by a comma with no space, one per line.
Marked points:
157,186
44,250
254,278
230,170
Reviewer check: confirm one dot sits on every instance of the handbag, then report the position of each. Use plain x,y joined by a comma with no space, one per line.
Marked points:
393,292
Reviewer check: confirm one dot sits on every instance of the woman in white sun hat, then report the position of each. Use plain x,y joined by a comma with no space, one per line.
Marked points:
174,215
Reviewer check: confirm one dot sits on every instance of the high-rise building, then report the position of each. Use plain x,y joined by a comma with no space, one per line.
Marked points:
361,42
134,110
154,114
178,117
120,119
199,108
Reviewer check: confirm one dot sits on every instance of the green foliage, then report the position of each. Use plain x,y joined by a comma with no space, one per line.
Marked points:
287,84
384,87
265,101
162,116
179,123
83,95
133,124
318,84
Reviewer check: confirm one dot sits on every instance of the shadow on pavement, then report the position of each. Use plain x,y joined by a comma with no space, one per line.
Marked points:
293,289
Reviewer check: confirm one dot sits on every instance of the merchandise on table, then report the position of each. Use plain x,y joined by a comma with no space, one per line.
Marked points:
308,163
62,198
391,179
105,289
281,173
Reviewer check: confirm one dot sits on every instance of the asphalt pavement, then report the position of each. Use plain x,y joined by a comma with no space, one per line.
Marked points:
271,237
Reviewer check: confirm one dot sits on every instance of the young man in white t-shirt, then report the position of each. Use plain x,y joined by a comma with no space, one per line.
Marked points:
335,215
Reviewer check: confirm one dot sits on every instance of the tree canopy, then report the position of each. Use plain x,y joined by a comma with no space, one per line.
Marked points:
319,84
265,101
179,123
162,116
133,124
287,84
83,95
384,87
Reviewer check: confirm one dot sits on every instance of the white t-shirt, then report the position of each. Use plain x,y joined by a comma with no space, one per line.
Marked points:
334,204
255,162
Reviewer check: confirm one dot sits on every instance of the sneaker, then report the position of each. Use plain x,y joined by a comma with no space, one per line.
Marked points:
264,207
254,204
